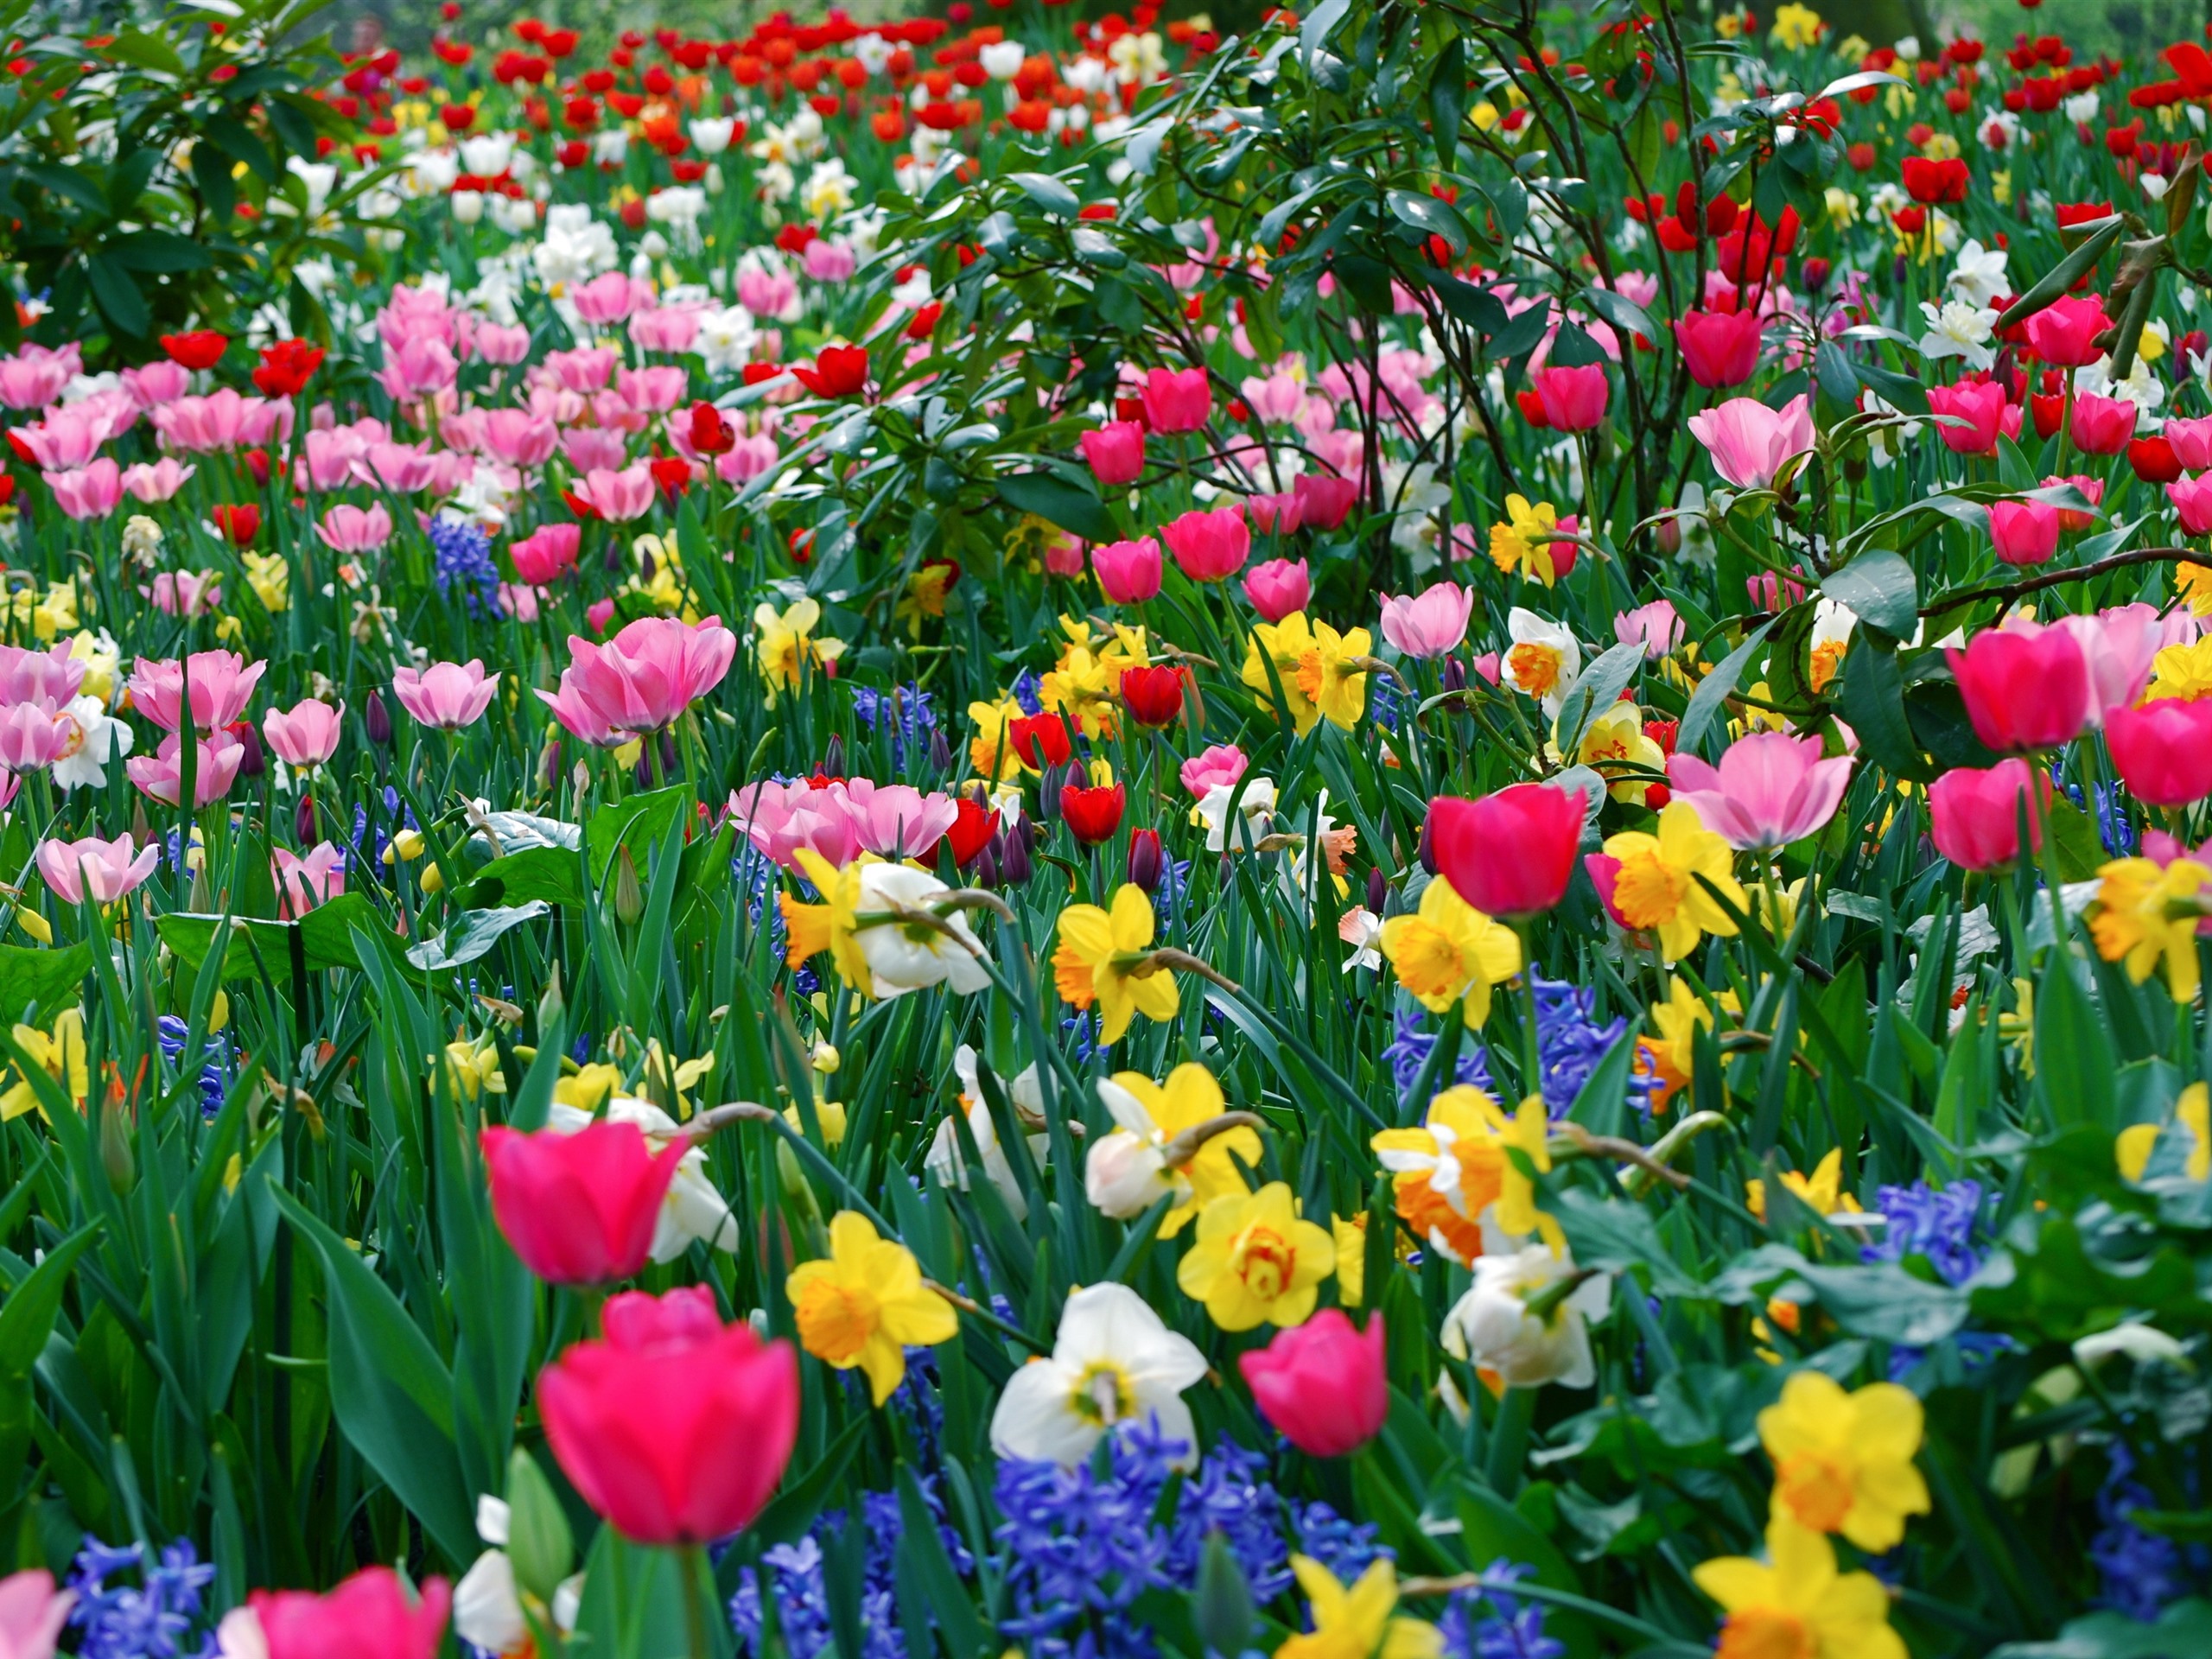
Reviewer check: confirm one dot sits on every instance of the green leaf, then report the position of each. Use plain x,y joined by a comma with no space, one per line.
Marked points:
117,297
47,977
217,188
1597,689
539,1541
1627,317
158,250
921,1551
1054,499
2075,1063
1880,589
231,135
2184,1630
2063,276
1431,216
146,51
74,182
292,123
473,935
1714,691
28,1312
1870,693
1447,98
1047,192
391,1392
326,935
1901,392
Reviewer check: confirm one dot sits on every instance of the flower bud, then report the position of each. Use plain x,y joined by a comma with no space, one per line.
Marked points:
378,718
629,896
115,1146
1455,674
303,822
1049,791
1378,890
252,762
1145,860
833,756
1015,866
1426,852
940,751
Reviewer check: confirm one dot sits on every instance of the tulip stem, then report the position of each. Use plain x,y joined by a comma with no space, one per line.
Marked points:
697,1589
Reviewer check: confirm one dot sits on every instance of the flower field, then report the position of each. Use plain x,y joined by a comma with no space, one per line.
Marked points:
1033,831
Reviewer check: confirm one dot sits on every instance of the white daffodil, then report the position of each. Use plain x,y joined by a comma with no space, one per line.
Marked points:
695,1209
1361,928
1125,1171
1492,1326
1959,328
487,1610
1542,659
913,955
99,738
1114,1361
575,246
1255,807
1978,277
944,1161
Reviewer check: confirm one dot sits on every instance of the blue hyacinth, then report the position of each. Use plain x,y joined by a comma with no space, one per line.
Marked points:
160,1617
904,711
2142,1572
1509,1629
1409,1053
461,554
214,1087
1571,1045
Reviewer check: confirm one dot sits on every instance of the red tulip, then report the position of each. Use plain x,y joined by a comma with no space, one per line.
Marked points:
838,372
1323,1385
710,434
1975,815
579,1209
1094,814
2154,460
1930,180
201,349
971,831
1041,740
2163,751
2063,333
2025,687
369,1616
240,524
1153,697
1115,452
1573,400
286,368
676,1428
1510,854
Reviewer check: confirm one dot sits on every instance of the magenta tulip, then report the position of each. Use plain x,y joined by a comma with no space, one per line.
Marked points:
579,1209
1279,587
1324,1385
1128,572
2025,532
1975,815
1115,452
2026,687
1510,854
2163,751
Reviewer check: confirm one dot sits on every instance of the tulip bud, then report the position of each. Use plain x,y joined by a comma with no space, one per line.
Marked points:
1048,793
1378,889
1671,536
252,762
141,829
833,756
986,869
1221,1607
548,764
645,568
940,751
1455,674
629,896
378,718
1145,860
613,561
550,1005
303,822
115,1146
1426,852
539,1541
1015,866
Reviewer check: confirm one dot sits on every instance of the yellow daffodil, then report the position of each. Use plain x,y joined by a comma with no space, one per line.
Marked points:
1125,1171
926,591
1843,1462
866,1304
1798,1606
787,646
1615,740
665,1083
1821,1191
1329,675
1668,1055
590,1088
474,1067
1796,27
1284,643
1447,951
1100,957
1523,542
102,659
1083,688
1654,886
60,1054
2192,1113
1351,1237
1256,1262
1456,1169
990,751
2183,671
270,575
2194,583
1361,1622
831,925
2147,914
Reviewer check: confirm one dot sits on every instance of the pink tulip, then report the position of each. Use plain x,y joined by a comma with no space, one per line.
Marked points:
607,298
307,736
156,483
224,419
780,818
547,554
1214,768
659,388
34,735
2192,499
1750,442
641,681
667,328
153,384
1719,348
1770,789
1975,815
1279,587
702,1463
329,457
619,497
1510,854
1573,399
828,262
1976,406
421,365
588,369
518,601
369,1616
67,438
90,492
1324,1385
1324,502
1273,515
503,346
186,593
2062,334
1128,572
1208,546
347,529
306,884
895,820
1771,591
767,292
106,870
2101,426
222,685
2119,645
32,1612
402,468
160,775
2192,441
580,1208
448,696
2026,687
1115,452
746,459
1433,623
51,676
35,377
2163,751
518,437
1176,400
2023,533
1655,627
